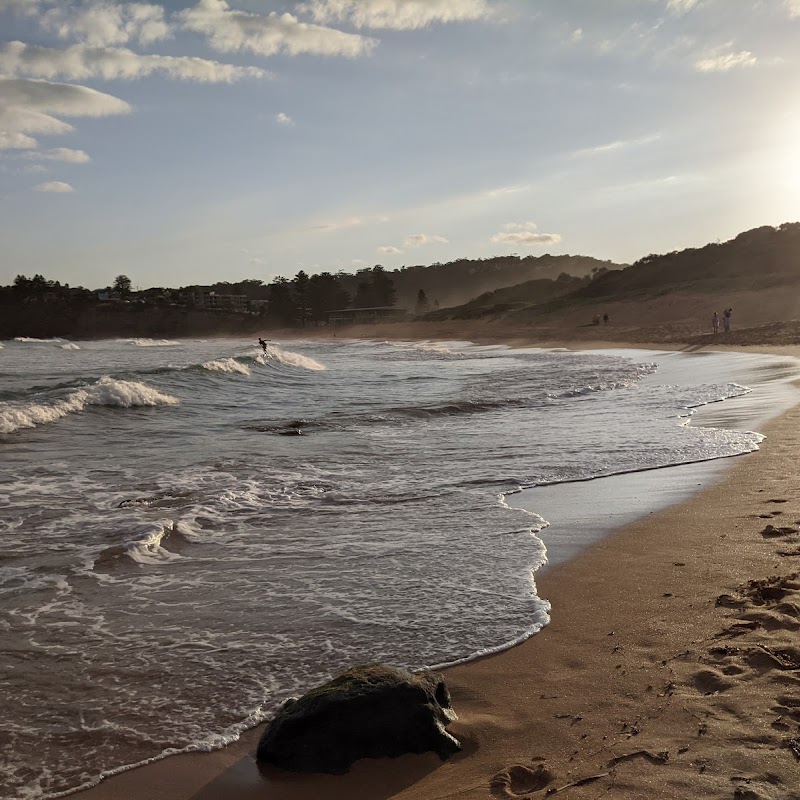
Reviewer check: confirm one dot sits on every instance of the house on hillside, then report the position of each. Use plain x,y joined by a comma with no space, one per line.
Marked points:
368,316
220,302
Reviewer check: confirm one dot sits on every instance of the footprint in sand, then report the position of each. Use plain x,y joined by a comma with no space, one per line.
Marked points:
519,780
709,681
770,532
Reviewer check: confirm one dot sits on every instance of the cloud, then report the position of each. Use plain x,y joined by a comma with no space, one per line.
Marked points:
28,7
500,191
103,23
284,119
349,222
524,233
681,6
719,61
63,154
14,140
622,144
358,262
57,187
234,31
390,250
422,239
396,14
793,7
80,62
27,107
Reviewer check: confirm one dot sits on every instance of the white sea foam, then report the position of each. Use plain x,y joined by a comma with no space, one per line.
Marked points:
273,352
106,392
148,548
70,346
32,340
141,342
226,365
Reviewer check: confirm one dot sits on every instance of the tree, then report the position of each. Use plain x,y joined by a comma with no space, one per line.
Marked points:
300,293
383,287
122,285
325,293
281,305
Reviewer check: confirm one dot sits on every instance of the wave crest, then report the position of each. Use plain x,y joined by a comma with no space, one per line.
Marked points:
142,342
106,392
148,548
226,365
290,359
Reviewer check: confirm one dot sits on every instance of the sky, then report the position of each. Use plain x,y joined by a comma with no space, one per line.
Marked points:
188,142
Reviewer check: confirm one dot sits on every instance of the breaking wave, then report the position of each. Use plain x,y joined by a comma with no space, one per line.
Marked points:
106,392
290,359
149,342
226,365
70,346
147,548
32,340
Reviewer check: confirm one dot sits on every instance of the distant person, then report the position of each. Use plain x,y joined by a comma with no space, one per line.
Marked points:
263,345
715,323
726,319
596,319
605,319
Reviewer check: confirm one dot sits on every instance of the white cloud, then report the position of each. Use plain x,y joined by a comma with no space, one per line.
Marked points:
28,106
681,6
396,14
349,222
58,187
64,154
524,233
14,140
80,62
232,31
577,35
719,61
358,262
622,144
422,239
793,7
284,119
389,250
501,191
102,23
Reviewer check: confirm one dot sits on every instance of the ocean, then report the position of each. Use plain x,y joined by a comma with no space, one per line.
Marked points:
194,530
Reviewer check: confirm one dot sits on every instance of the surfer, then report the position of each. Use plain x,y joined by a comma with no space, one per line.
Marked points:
263,345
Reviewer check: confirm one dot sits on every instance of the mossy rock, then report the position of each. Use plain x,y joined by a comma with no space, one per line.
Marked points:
370,711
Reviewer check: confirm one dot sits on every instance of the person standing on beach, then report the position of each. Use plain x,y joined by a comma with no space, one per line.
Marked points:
715,323
726,319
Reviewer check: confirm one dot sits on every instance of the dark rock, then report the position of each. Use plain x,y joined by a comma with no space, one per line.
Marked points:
371,711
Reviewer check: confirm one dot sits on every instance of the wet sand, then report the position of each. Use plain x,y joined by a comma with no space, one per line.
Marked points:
671,668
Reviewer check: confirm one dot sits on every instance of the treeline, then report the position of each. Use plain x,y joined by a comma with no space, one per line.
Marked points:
310,298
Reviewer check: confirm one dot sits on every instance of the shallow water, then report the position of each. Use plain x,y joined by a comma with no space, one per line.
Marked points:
178,560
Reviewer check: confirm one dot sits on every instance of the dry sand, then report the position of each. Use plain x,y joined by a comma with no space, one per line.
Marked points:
671,669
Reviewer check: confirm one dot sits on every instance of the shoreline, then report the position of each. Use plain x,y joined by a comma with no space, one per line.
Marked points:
487,721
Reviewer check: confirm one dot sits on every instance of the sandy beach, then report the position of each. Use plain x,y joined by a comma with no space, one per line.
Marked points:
670,669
